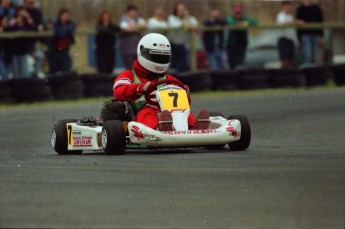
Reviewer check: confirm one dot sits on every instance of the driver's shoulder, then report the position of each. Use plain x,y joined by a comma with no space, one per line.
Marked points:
170,77
127,74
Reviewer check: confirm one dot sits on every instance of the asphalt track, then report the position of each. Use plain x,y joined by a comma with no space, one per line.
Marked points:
292,176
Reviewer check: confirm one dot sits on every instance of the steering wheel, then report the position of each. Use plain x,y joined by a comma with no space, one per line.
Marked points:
148,98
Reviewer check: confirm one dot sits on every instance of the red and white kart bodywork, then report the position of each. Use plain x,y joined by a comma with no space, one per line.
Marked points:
113,136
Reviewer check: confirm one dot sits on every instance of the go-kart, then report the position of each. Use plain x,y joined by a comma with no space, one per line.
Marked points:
114,136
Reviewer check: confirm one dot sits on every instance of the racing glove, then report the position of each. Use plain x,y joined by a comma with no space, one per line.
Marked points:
142,89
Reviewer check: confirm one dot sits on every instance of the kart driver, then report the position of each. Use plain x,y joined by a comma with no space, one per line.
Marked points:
154,55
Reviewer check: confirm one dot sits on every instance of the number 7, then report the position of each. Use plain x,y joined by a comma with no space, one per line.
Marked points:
175,95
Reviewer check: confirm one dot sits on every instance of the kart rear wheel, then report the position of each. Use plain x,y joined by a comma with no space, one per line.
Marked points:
244,141
59,137
113,138
215,147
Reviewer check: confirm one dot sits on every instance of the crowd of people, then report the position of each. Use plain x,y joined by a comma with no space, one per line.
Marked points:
224,49
307,40
24,56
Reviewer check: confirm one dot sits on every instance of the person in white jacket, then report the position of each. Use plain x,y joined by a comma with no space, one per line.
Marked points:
158,21
181,22
286,43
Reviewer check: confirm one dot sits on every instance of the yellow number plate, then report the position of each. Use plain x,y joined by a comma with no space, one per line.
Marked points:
69,134
174,99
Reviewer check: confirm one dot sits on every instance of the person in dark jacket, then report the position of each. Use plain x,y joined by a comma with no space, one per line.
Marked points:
37,17
214,40
35,13
309,12
7,12
58,49
131,24
20,48
238,39
105,42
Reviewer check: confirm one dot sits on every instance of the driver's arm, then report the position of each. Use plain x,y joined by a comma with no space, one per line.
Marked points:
124,89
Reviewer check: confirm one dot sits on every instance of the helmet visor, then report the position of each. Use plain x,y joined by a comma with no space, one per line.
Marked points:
156,56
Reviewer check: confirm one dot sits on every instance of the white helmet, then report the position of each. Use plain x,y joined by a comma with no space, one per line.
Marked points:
154,52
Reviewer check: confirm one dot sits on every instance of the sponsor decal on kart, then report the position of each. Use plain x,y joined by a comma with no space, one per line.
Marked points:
190,132
231,129
76,132
137,133
141,136
82,141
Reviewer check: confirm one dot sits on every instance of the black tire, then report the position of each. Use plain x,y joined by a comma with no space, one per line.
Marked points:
244,141
339,74
100,89
4,84
97,85
33,94
96,78
253,78
282,78
71,90
30,89
6,95
60,131
215,147
25,83
196,80
316,75
223,80
5,92
113,138
59,79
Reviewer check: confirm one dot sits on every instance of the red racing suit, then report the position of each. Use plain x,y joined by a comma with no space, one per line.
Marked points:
125,87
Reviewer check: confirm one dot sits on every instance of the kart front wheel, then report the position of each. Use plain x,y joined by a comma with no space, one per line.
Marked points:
59,137
113,138
244,141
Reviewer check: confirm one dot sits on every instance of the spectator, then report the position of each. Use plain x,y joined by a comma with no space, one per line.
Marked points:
35,13
4,63
6,10
158,21
181,19
214,40
105,42
58,50
17,3
20,48
238,39
309,12
37,53
6,13
130,24
286,43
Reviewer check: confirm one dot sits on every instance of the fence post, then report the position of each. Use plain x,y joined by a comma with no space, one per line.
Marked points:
192,51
